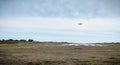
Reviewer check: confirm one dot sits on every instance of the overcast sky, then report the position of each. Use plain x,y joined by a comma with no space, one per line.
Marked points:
57,20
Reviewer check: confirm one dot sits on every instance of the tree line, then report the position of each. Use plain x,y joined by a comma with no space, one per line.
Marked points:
15,41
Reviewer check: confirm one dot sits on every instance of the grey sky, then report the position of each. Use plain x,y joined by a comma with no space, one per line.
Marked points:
57,20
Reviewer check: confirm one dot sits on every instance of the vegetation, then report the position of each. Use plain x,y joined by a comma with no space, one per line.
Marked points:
30,40
30,52
15,41
48,42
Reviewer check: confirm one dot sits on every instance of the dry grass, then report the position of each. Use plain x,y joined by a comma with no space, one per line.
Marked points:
43,54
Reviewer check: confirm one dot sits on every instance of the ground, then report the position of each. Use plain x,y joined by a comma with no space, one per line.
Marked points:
30,53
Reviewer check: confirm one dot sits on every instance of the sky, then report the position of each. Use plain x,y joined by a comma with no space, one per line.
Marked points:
58,20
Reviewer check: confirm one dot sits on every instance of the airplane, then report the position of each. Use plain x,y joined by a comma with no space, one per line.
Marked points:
80,23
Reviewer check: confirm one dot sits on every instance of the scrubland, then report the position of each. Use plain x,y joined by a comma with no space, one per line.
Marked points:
45,53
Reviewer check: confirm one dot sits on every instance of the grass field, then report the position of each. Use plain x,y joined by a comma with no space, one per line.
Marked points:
31,53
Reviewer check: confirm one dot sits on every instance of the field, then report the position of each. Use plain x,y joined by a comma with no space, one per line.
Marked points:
31,53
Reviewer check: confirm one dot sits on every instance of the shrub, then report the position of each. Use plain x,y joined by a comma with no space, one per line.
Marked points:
30,40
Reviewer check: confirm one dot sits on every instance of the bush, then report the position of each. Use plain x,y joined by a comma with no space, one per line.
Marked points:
22,40
30,40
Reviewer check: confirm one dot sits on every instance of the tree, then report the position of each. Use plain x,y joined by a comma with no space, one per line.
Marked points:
30,40
3,40
22,40
10,40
